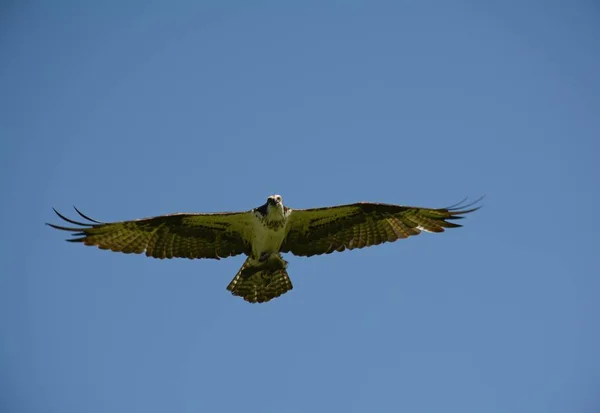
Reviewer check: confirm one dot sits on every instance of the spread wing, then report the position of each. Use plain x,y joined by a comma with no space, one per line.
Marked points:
167,236
324,230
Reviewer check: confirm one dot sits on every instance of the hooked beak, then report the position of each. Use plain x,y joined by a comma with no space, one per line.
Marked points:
273,201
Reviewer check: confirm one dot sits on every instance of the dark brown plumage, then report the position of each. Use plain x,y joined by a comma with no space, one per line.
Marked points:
262,234
324,230
262,285
167,236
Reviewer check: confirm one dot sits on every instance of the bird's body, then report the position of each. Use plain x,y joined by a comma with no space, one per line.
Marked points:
262,234
269,227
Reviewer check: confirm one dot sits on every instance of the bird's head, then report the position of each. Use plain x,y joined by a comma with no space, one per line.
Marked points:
275,200
275,205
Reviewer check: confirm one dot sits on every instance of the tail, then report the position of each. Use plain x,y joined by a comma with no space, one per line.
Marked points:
259,284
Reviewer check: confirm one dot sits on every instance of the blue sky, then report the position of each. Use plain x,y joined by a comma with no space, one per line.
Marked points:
128,110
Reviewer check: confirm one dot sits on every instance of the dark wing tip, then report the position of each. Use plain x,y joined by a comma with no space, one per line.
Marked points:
86,217
451,214
456,205
71,229
80,231
461,208
71,221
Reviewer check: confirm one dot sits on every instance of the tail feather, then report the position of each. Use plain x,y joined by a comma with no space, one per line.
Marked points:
260,285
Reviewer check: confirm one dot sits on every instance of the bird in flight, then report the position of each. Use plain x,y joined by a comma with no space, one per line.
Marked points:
263,234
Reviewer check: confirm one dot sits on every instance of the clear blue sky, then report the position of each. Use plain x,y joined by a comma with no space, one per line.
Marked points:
128,110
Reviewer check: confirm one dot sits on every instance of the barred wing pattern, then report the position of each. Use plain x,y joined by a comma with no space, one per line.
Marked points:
324,230
182,235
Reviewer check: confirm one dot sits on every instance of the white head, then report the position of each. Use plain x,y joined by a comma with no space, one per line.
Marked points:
275,200
275,203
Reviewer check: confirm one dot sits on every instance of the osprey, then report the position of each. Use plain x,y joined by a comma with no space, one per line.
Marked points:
262,234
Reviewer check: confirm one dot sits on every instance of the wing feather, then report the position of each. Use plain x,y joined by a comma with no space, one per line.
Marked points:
167,236
324,230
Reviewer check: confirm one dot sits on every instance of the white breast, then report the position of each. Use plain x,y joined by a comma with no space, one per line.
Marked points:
265,239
